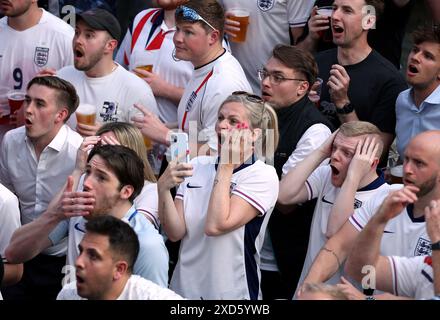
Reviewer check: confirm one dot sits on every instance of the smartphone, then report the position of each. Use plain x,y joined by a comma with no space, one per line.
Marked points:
179,147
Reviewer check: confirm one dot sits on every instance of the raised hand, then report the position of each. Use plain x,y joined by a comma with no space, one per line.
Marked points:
396,201
364,158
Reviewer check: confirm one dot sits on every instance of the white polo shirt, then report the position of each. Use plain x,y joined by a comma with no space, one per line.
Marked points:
9,217
150,41
36,182
147,202
23,54
413,277
225,266
319,186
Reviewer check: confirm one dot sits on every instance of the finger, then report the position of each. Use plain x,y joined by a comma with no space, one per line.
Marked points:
365,145
69,185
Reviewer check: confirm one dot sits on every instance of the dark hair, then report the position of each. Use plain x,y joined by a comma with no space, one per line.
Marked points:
122,238
378,6
426,34
125,164
66,93
298,59
210,10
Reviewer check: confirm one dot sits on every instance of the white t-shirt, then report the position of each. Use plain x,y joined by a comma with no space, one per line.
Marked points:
36,182
156,49
412,277
9,217
404,235
225,266
269,25
136,288
206,91
113,95
147,202
319,186
23,54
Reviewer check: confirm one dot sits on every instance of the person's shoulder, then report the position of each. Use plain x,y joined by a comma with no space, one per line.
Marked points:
140,288
129,79
7,197
73,137
69,292
381,63
56,25
326,54
14,135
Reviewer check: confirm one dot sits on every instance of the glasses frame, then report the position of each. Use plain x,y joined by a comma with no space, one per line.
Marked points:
263,74
189,14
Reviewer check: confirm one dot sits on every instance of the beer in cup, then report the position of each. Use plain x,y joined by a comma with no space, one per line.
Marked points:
86,114
241,16
15,100
326,35
147,67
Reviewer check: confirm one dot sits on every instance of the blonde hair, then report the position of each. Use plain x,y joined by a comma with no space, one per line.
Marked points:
332,291
360,128
130,136
262,116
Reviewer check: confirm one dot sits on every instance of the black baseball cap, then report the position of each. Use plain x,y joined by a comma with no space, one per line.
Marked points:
101,19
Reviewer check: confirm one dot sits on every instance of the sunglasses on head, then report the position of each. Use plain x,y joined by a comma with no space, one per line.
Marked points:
249,96
190,14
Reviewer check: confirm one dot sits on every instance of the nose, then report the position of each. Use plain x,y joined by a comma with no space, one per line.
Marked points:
88,182
223,124
177,38
335,156
407,168
335,14
79,263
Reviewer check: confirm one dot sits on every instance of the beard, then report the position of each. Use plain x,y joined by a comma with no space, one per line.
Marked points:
104,206
93,60
427,186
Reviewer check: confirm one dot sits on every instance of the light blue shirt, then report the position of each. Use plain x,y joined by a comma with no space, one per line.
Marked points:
412,120
152,260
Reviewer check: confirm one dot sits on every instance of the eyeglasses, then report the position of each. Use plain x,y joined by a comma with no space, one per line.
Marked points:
274,78
190,14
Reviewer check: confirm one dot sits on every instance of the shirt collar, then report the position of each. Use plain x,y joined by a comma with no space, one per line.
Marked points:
59,140
245,164
380,180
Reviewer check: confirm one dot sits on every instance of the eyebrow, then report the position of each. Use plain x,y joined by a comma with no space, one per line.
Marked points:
28,97
88,166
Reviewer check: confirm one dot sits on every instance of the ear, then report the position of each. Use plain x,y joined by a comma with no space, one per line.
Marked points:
126,192
214,37
61,115
111,45
120,271
303,88
375,163
369,21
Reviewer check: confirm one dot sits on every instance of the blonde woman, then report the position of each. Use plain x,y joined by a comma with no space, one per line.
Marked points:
223,204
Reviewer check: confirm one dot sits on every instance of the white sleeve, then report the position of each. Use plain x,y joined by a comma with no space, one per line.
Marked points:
316,181
312,138
147,203
405,273
298,12
9,217
5,178
68,292
259,188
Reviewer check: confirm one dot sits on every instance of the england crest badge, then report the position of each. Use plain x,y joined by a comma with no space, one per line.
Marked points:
41,56
265,5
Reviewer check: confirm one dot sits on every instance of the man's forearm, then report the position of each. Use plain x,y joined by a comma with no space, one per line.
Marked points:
30,239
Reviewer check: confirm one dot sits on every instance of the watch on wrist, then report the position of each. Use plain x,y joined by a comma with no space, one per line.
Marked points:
435,246
347,108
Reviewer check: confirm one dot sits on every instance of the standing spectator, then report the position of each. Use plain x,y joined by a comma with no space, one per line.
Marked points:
286,80
418,108
270,23
354,153
114,178
35,160
221,211
359,84
31,39
97,78
149,41
198,39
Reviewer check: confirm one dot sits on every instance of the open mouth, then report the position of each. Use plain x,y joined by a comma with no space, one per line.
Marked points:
28,122
335,171
79,53
337,29
412,69
79,279
265,95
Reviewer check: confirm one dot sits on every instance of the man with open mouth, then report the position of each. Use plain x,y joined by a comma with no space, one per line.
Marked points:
417,109
354,152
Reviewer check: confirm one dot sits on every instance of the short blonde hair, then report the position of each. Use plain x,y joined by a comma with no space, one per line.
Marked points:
332,291
130,136
261,115
360,128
